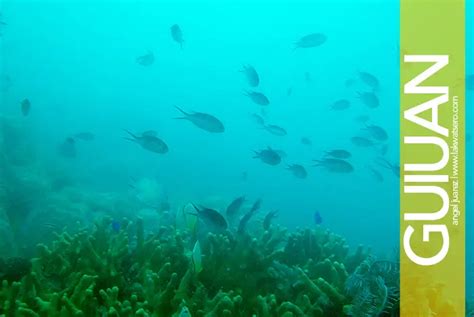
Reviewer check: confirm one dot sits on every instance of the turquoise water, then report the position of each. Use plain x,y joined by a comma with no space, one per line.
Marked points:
77,65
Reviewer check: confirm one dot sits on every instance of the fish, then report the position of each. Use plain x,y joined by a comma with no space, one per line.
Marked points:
306,141
289,91
267,221
251,75
275,130
369,99
197,258
377,132
339,154
244,176
307,77
235,206
470,82
317,218
25,107
298,170
376,174
384,149
67,149
362,118
258,98
147,59
362,141
258,119
246,218
311,40
184,312
149,143
341,104
211,217
335,165
85,136
149,133
203,121
177,34
370,80
395,168
268,156
116,225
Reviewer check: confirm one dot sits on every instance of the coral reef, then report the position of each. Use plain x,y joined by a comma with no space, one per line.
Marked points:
129,272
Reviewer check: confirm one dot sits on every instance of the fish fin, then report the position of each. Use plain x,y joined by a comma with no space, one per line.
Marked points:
130,139
131,134
197,209
186,115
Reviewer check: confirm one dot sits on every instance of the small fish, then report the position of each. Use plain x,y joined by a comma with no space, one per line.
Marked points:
335,165
68,148
184,312
275,130
197,258
25,107
376,174
267,221
258,98
377,132
244,176
306,141
147,59
307,77
395,168
384,149
177,34
289,91
268,156
211,217
311,40
251,75
203,121
85,136
341,104
246,218
298,170
234,206
470,82
339,154
317,218
149,143
369,80
369,99
116,225
362,142
362,118
258,119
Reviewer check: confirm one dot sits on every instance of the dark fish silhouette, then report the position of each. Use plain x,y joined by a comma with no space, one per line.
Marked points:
297,170
68,148
369,99
317,218
258,98
340,154
268,156
211,217
149,143
234,206
147,59
306,141
335,165
369,80
177,34
275,130
251,75
267,221
25,107
341,104
377,132
203,121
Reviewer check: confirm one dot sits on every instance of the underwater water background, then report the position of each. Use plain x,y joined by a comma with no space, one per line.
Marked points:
76,62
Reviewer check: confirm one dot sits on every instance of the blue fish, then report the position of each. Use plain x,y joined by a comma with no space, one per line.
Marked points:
115,225
317,218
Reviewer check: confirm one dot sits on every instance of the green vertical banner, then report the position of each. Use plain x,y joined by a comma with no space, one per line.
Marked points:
432,184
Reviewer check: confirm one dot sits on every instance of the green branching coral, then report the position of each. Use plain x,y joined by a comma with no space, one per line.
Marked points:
127,272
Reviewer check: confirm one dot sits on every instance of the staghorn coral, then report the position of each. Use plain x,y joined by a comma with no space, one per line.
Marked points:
102,271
